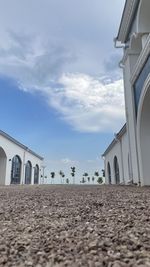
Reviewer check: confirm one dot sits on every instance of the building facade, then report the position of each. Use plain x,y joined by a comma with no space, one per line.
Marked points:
18,164
134,37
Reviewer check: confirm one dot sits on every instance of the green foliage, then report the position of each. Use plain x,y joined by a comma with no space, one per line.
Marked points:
83,180
103,172
100,180
52,175
73,170
85,174
96,173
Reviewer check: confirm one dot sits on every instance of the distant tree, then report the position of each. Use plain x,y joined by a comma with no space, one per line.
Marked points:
85,174
73,170
96,173
63,177
103,172
61,174
83,180
88,179
100,180
93,179
67,181
52,176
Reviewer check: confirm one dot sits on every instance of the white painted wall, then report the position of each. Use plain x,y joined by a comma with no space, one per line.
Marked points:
121,151
11,149
136,142
130,117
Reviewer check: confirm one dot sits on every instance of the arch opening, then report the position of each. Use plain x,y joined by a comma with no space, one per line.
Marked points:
143,21
28,172
16,170
109,173
3,162
116,171
144,137
36,174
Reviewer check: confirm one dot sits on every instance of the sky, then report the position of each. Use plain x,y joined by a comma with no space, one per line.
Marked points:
61,90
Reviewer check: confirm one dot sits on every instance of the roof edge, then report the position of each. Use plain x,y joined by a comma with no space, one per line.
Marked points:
128,16
115,140
13,140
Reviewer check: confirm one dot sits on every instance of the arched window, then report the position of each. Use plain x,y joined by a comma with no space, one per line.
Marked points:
109,172
36,174
28,172
116,170
16,170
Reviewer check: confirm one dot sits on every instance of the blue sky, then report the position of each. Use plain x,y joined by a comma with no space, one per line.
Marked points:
61,91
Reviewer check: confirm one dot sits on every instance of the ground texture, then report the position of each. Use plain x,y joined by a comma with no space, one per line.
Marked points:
74,226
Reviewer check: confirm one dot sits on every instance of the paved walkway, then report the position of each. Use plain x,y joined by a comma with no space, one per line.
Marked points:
74,226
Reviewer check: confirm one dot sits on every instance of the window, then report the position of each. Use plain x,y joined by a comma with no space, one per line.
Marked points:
116,170
16,170
36,174
28,172
109,172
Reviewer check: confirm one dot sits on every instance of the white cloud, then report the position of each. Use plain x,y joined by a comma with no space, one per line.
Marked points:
68,161
62,58
87,103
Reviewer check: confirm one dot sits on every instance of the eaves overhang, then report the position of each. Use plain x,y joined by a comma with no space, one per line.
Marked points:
116,139
128,17
8,137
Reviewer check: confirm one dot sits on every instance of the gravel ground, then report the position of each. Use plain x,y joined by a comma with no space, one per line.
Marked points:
74,226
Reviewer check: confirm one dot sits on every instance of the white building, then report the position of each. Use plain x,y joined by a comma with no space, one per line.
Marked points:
18,164
128,156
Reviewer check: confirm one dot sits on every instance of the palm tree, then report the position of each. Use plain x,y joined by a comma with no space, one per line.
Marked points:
63,177
88,179
83,180
73,170
85,175
52,176
93,179
67,181
96,173
103,172
61,174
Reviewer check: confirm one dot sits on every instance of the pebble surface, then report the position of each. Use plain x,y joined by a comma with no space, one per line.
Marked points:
93,226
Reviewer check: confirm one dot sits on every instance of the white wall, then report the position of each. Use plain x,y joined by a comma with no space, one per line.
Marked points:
11,149
121,151
136,142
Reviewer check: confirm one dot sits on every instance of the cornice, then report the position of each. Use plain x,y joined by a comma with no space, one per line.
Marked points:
127,19
115,140
8,137
141,61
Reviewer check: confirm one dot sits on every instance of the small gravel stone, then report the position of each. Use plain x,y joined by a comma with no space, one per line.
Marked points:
77,226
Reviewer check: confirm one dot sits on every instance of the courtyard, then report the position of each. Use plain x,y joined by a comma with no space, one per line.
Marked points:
64,225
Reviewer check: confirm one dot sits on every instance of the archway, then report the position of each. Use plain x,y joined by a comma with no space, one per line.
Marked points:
28,172
143,133
3,162
16,170
36,174
109,172
116,171
143,21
